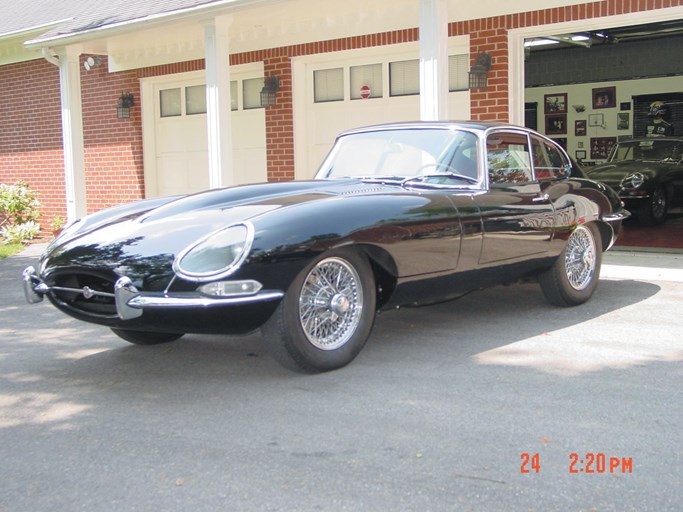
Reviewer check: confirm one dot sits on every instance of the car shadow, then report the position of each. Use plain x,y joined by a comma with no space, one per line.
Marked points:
447,333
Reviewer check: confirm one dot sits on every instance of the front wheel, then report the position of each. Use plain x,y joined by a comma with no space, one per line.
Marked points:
574,275
654,212
146,338
326,315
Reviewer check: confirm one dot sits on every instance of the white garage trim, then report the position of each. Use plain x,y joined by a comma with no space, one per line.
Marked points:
313,135
516,39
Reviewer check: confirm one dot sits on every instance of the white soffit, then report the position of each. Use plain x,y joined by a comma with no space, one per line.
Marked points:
258,28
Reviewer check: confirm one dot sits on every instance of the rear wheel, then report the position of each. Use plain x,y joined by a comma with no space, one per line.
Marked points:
326,315
574,275
654,212
146,338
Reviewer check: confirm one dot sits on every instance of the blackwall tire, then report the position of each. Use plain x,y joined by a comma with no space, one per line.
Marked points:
146,338
574,275
654,212
326,315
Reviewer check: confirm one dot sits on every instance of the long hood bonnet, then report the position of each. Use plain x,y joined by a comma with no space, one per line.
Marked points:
148,241
615,172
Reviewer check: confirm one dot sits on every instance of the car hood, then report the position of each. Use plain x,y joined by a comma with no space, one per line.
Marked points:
140,241
613,173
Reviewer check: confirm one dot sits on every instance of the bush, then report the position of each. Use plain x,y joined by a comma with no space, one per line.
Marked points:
18,212
20,233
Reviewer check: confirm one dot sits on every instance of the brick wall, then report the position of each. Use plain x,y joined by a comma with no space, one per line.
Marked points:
31,132
30,140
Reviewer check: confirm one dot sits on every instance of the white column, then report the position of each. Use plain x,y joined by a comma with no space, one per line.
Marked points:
218,116
72,131
433,60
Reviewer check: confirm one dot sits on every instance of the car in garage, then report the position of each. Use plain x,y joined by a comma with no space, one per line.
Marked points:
647,173
397,215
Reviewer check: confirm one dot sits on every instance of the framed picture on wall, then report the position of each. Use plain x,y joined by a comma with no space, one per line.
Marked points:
596,119
580,128
601,146
623,120
580,154
604,97
555,103
556,124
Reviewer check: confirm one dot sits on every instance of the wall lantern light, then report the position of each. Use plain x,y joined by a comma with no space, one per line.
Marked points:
126,101
479,72
271,85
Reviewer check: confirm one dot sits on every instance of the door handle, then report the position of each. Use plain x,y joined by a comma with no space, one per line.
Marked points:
541,199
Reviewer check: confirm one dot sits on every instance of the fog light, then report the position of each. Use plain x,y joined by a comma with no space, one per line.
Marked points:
231,288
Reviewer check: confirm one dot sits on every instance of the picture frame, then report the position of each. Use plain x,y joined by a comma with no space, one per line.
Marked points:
580,128
626,105
596,119
556,124
555,103
623,120
604,97
601,146
580,154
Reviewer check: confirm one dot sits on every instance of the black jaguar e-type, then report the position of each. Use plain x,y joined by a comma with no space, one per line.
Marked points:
647,173
401,214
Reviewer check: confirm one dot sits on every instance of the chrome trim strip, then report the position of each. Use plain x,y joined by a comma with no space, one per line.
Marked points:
624,214
157,301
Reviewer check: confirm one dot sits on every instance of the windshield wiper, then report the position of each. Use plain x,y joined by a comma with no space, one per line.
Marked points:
451,175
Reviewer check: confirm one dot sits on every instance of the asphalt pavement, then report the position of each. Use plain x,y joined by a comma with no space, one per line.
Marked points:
495,402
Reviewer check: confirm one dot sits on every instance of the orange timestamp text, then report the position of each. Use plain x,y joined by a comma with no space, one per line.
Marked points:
586,463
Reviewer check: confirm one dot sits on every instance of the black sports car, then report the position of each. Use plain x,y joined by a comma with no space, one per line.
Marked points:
647,173
398,215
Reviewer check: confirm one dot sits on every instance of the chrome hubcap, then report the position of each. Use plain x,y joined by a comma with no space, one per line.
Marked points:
580,258
331,303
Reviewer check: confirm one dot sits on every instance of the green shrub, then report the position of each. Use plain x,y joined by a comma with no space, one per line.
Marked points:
18,212
20,233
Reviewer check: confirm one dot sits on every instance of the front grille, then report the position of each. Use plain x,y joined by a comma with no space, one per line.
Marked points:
82,294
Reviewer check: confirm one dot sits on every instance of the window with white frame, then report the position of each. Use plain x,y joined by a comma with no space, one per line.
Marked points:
169,102
251,93
195,99
404,78
366,81
458,68
328,85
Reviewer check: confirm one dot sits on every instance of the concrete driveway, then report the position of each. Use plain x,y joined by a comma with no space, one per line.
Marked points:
442,411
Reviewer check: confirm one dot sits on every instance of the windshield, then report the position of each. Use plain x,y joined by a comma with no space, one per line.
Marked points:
650,150
402,154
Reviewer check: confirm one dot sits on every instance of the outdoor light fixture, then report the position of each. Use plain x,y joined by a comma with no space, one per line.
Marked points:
479,72
91,62
124,105
271,85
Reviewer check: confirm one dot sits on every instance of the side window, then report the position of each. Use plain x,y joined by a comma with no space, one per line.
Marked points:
548,161
508,158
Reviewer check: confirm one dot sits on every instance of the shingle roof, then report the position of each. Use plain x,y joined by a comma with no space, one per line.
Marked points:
80,15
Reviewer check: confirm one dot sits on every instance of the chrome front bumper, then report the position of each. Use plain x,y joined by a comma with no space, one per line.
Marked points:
130,302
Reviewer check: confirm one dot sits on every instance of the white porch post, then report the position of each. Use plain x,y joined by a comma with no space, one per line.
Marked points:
72,131
433,60
218,116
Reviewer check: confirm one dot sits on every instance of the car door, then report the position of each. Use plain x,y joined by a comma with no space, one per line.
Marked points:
517,214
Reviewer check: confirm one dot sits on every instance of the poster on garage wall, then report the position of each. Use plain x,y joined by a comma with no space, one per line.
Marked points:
641,110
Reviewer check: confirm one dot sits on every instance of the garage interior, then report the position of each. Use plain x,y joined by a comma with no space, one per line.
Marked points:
642,56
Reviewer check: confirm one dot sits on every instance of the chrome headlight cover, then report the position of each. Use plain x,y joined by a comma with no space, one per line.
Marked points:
633,181
216,255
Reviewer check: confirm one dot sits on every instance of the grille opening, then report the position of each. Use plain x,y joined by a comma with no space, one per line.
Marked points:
96,304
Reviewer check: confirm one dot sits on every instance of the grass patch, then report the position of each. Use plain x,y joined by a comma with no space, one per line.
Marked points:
9,249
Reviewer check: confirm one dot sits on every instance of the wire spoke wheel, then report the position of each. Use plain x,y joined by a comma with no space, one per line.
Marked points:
330,303
574,276
580,258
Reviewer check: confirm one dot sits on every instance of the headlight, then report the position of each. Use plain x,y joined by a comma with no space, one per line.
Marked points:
217,255
633,180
